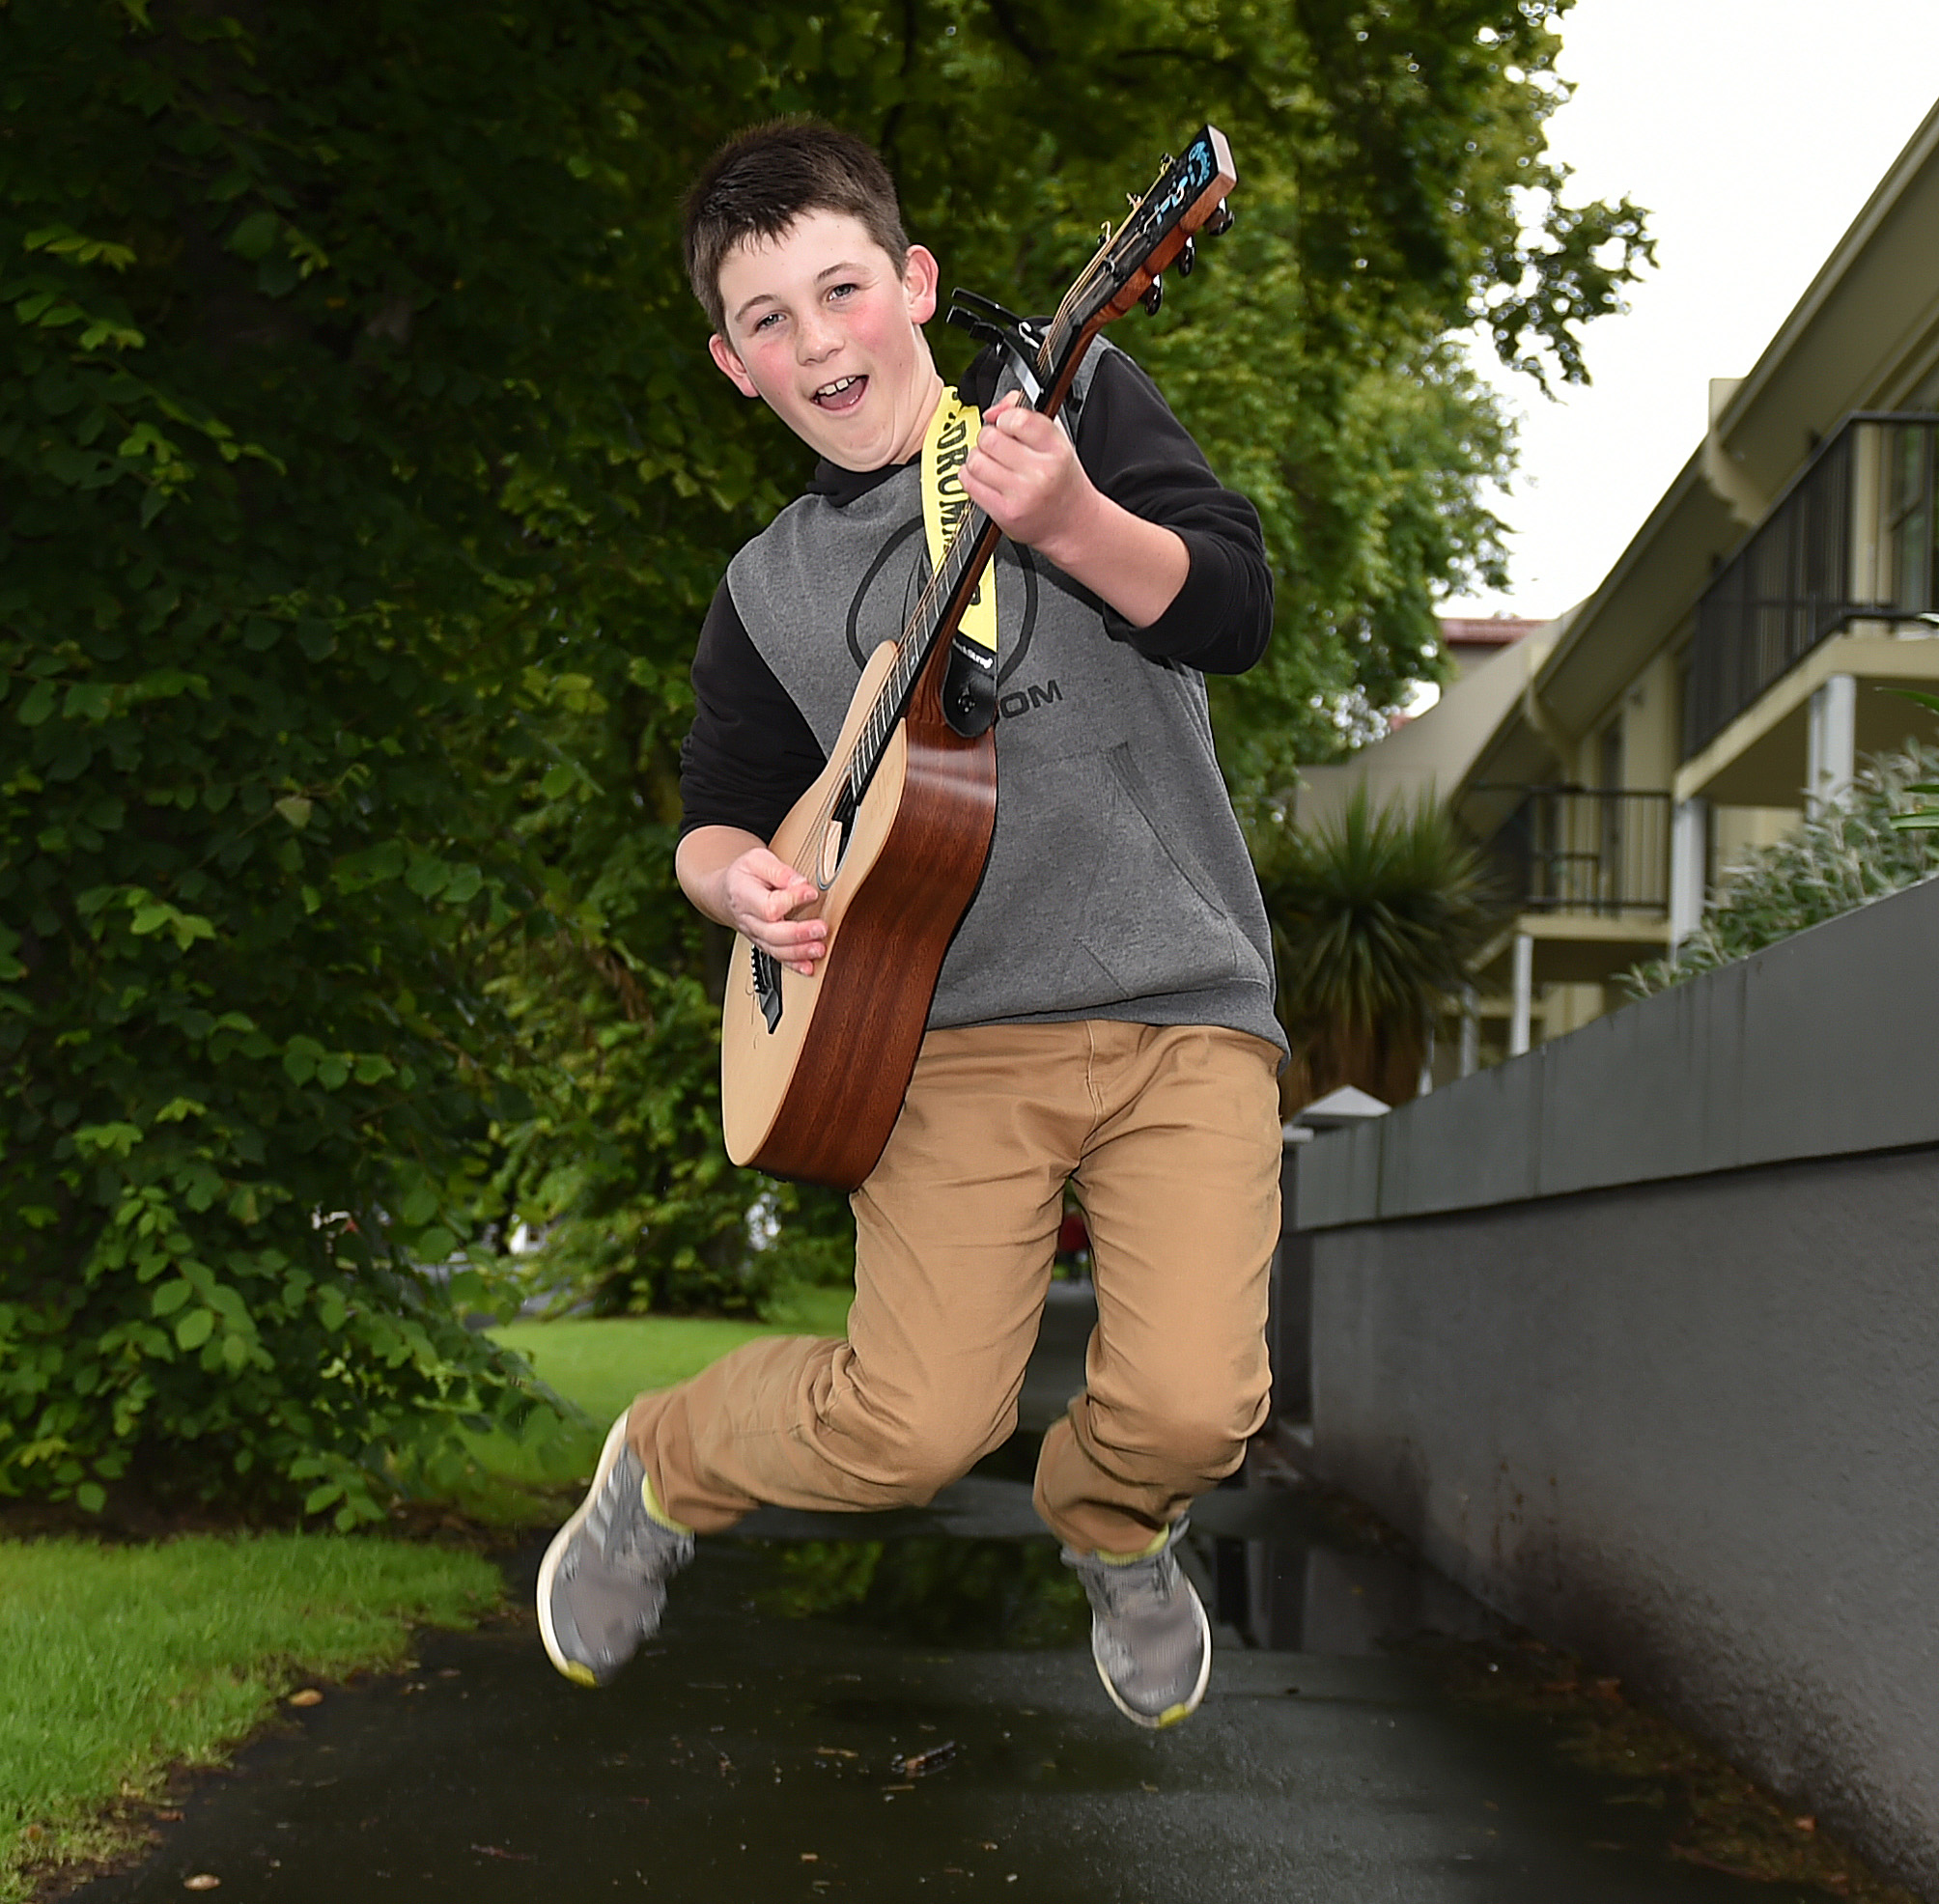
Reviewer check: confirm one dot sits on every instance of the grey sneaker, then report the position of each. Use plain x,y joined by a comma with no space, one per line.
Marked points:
602,1581
1149,1634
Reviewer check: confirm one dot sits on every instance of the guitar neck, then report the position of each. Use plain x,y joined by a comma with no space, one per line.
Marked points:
941,609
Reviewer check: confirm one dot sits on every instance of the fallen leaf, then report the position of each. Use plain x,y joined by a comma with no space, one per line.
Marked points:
1804,1824
812,1857
308,1697
919,1765
201,1881
500,1851
836,1751
164,1817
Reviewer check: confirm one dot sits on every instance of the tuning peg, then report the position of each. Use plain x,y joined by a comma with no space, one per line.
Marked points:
1220,223
1188,257
1155,297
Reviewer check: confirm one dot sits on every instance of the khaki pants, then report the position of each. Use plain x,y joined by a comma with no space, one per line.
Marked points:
1172,1138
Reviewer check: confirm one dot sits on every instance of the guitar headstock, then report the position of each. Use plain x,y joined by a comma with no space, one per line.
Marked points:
1187,197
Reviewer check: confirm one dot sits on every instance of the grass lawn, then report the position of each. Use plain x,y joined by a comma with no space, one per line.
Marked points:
119,1661
601,1365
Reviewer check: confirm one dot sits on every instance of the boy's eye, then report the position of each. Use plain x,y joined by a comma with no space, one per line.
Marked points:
770,319
842,290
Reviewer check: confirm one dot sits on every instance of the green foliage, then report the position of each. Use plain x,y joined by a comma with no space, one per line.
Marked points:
1376,917
1846,853
1387,155
362,479
1925,818
312,332
1377,151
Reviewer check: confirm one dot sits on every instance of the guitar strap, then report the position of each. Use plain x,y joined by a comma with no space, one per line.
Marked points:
972,676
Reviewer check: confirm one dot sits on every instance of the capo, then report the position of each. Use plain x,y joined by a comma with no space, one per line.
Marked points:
1018,337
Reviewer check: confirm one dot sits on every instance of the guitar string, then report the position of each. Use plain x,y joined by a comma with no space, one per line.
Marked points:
863,755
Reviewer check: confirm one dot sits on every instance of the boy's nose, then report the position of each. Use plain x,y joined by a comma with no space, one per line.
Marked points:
814,339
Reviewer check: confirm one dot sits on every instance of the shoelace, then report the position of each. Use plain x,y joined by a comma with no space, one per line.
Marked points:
1141,1585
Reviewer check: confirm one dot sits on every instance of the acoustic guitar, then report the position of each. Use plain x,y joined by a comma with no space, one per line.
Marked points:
895,831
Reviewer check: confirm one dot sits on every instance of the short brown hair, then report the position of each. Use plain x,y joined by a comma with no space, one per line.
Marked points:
763,179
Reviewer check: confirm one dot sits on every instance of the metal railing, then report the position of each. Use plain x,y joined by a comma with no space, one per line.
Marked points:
1585,849
1852,538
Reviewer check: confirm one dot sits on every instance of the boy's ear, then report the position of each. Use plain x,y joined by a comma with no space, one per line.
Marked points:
731,366
921,278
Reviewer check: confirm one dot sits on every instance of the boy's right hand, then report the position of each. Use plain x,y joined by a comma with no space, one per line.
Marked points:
758,892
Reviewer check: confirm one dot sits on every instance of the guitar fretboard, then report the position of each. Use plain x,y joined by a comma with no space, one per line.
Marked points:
950,587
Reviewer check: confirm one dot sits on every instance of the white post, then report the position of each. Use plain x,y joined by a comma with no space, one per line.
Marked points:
1425,1084
1689,867
1523,995
1470,1033
1832,748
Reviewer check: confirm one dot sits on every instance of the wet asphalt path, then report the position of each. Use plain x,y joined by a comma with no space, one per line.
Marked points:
761,1750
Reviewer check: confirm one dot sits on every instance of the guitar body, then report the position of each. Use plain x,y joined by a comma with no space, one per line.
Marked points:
815,1094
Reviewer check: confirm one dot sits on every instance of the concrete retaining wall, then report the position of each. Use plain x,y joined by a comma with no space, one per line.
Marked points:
1638,1338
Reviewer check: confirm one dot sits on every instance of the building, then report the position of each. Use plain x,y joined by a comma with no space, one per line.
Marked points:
1730,667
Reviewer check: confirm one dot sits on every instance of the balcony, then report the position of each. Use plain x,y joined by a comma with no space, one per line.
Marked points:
1589,851
1853,538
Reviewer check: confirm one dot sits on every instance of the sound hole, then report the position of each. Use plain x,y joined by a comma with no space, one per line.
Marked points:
828,861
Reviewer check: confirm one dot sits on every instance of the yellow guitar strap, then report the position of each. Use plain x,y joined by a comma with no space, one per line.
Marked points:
945,448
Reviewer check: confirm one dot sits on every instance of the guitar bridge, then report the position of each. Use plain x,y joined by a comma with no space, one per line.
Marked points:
768,986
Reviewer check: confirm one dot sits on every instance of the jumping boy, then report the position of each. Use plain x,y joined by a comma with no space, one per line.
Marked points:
1104,1015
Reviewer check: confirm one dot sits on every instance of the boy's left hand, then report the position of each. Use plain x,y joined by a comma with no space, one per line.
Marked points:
1026,477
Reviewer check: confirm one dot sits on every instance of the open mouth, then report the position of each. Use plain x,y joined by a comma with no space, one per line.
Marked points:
843,394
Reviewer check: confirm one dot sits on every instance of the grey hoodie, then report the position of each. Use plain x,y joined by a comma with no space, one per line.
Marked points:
1118,884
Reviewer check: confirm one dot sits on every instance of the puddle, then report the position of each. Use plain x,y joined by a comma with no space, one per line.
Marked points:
936,1590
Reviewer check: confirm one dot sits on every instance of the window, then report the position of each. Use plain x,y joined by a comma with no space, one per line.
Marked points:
1909,519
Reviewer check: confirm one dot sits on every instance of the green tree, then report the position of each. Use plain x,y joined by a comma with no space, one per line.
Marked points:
1376,916
333,416
362,479
1378,150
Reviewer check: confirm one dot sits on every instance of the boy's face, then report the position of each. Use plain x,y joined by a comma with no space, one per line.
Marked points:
823,328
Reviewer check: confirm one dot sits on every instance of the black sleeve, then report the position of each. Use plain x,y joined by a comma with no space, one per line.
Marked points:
1142,456
749,755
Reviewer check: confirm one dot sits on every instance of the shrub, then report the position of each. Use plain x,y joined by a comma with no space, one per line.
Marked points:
1375,918
1846,853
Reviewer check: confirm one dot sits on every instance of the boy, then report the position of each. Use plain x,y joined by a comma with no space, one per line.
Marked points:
1104,1012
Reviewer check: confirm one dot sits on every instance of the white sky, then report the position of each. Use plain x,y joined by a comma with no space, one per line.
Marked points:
1754,131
